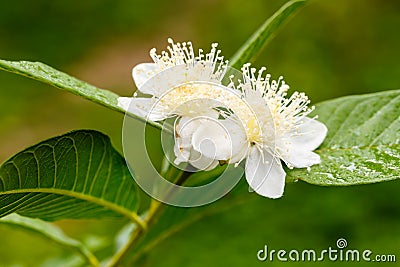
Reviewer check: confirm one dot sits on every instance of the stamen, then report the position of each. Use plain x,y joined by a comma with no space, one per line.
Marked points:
183,53
287,112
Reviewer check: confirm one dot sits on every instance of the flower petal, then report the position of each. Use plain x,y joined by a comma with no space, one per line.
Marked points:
195,158
173,77
212,140
184,130
220,139
238,138
264,173
141,73
183,137
124,102
182,154
308,136
141,106
301,158
297,146
202,162
197,108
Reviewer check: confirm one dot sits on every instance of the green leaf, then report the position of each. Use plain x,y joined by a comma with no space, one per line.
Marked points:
363,142
51,232
49,75
257,42
46,74
73,176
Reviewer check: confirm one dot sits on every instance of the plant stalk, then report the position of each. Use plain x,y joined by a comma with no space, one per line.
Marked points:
156,208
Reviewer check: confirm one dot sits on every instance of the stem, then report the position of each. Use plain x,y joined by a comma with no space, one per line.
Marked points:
119,256
138,233
156,207
92,260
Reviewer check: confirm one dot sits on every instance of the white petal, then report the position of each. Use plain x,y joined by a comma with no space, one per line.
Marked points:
308,136
183,138
212,140
165,80
296,147
141,73
239,140
123,102
198,108
204,71
140,106
202,162
191,131
265,174
188,154
262,117
301,158
185,129
173,77
182,154
240,153
220,139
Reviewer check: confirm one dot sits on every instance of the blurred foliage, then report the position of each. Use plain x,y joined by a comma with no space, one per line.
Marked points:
330,49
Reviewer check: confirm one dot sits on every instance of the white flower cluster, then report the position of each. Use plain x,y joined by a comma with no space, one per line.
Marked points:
250,119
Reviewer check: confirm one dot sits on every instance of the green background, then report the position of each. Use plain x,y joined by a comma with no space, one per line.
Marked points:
329,49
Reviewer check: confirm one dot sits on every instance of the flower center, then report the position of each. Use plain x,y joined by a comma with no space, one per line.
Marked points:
190,99
253,131
202,98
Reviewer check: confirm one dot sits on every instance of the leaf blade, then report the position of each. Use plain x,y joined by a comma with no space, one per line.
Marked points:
267,31
51,76
61,178
363,141
46,74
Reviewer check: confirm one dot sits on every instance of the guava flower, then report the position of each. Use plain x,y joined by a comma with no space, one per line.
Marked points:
180,84
277,129
250,119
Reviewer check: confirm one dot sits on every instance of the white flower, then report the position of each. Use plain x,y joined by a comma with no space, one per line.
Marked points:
250,120
188,75
277,129
180,84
